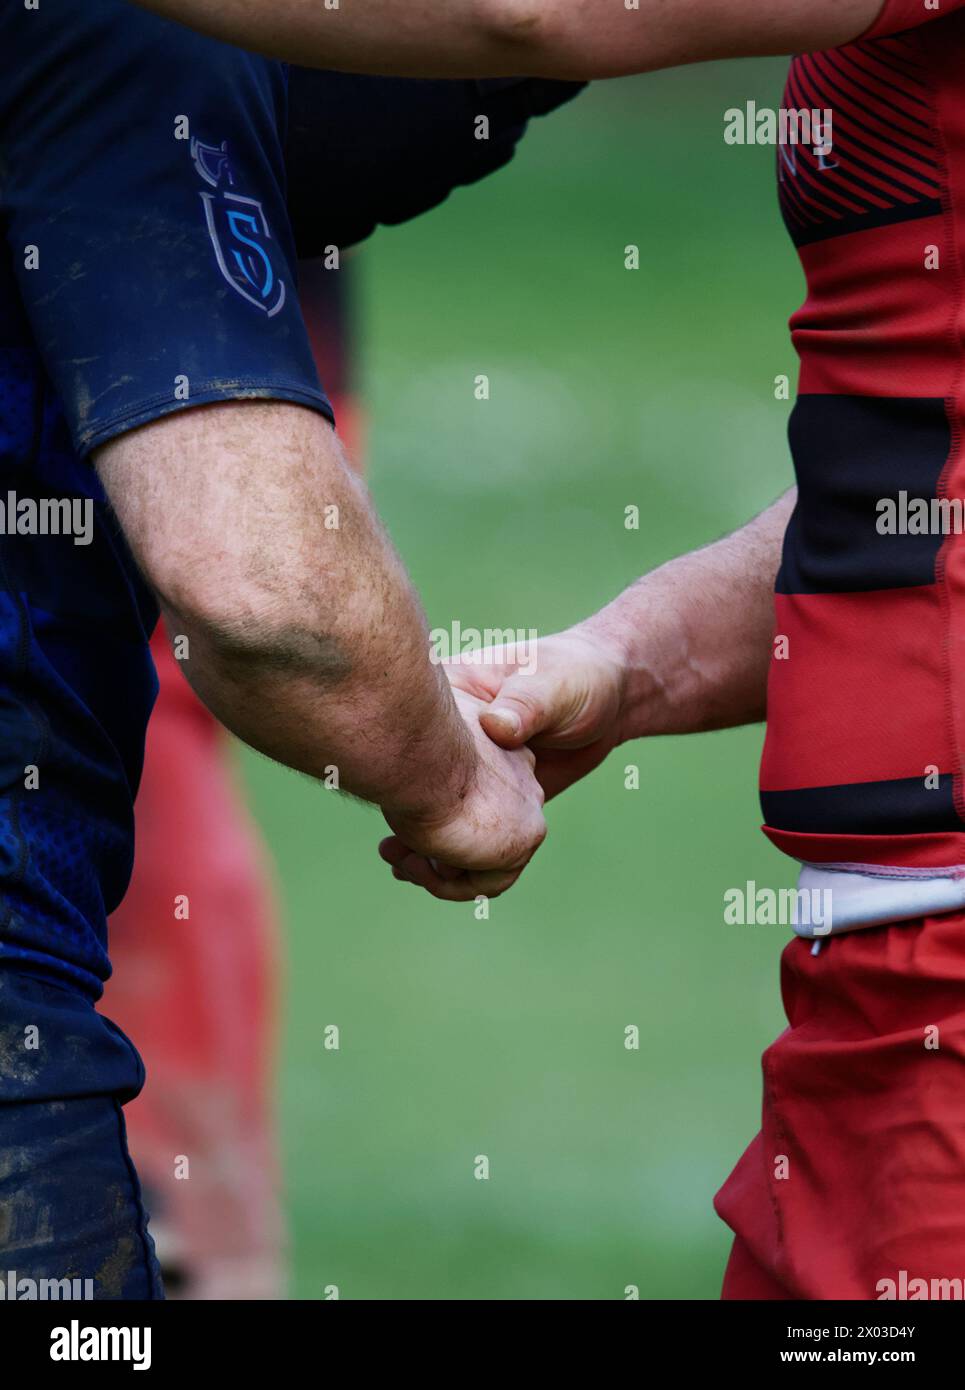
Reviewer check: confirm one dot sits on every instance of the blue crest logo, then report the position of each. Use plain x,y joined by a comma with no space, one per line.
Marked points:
239,231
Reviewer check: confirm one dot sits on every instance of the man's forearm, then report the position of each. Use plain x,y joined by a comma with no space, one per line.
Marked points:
537,38
420,38
302,697
301,626
694,637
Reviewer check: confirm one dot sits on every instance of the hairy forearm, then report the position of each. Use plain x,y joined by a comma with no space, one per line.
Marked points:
295,620
694,637
537,38
330,707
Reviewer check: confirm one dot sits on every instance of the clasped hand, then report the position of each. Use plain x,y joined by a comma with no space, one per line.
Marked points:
536,728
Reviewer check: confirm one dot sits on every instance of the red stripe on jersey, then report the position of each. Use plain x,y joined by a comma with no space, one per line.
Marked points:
860,696
876,322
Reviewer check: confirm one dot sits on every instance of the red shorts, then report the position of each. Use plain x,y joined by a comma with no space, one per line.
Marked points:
858,1173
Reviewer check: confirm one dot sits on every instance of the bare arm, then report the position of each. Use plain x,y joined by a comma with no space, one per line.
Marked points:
538,38
695,636
304,634
686,648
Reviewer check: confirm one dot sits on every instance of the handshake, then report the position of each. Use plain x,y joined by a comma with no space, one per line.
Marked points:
534,728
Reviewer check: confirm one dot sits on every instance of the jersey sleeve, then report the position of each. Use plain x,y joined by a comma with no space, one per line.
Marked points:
365,151
145,215
899,15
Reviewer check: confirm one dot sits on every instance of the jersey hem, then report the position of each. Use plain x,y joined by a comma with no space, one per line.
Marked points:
158,407
925,854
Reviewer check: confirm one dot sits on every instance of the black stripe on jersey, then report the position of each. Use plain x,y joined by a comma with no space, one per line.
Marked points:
850,452
878,58
900,807
860,221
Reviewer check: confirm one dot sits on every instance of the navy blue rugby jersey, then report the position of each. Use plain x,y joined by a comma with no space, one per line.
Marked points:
147,266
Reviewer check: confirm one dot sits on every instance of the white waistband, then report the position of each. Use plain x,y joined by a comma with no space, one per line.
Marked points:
838,899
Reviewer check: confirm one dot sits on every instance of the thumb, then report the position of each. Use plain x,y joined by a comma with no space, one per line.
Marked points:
521,710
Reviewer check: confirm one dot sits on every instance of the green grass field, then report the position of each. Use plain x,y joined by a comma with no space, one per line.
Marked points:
505,1037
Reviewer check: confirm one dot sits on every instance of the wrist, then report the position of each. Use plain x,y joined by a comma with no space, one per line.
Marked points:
443,768
648,634
607,642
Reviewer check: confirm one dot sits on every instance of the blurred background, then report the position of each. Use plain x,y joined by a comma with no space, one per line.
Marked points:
506,1037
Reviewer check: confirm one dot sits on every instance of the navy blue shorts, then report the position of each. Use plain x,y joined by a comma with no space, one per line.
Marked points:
70,1201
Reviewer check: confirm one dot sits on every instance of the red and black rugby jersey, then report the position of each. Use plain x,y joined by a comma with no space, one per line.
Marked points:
864,761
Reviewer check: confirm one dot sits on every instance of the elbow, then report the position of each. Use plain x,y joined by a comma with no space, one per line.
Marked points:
250,637
518,30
